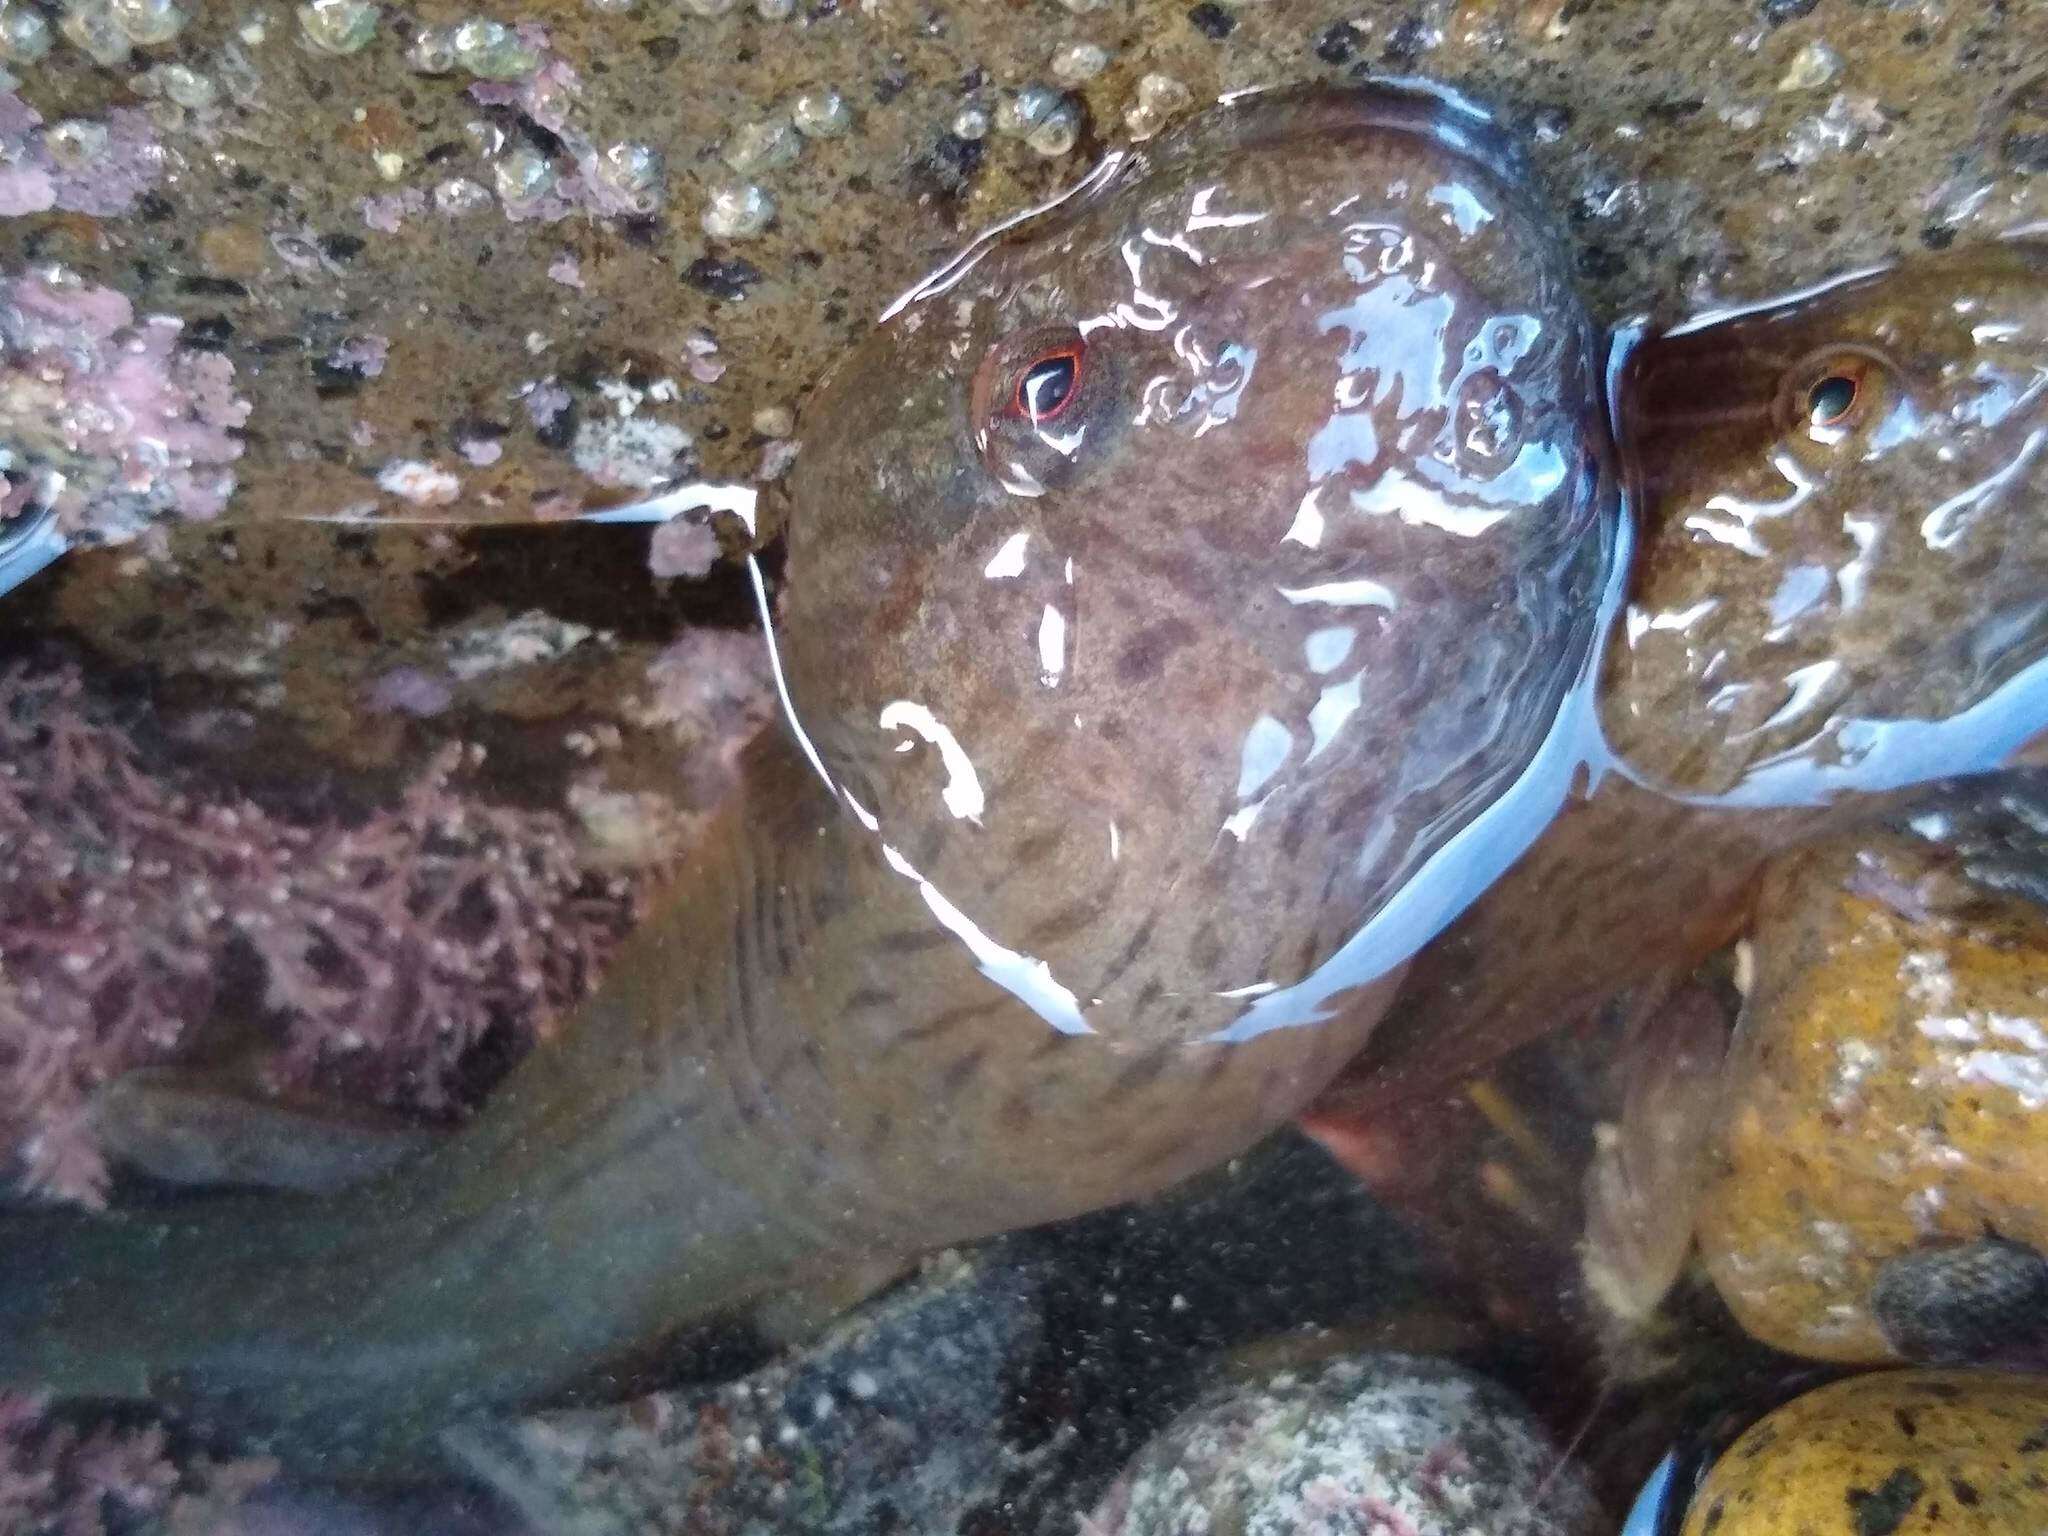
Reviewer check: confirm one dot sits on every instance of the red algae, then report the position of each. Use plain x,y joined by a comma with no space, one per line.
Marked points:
387,946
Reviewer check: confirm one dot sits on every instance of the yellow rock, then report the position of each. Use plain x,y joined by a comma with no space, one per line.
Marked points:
1887,1089
1893,1453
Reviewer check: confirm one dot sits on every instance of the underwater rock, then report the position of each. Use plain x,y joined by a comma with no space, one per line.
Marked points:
1094,1332
890,1421
1395,1443
298,192
1887,1093
1895,1453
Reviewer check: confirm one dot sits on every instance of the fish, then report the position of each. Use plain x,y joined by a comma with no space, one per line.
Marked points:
1837,602
1190,589
1832,608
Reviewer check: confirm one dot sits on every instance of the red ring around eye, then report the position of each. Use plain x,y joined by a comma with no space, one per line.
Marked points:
1048,384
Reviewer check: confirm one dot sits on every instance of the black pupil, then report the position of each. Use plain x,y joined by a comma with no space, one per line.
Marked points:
1830,400
1047,385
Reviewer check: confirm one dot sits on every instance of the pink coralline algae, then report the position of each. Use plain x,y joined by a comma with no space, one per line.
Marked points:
566,270
54,1479
60,1479
387,945
364,356
99,168
108,418
599,181
682,546
545,400
546,97
388,210
713,690
410,691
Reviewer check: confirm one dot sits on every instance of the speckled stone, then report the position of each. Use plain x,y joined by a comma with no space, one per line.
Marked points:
889,1417
1894,1453
1887,1091
1380,1442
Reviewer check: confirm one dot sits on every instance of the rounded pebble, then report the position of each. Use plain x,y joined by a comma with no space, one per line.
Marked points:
774,421
1078,62
738,210
484,136
76,143
1962,1303
187,87
1813,66
767,144
1382,1443
1902,1453
708,7
1883,1092
459,195
148,22
969,123
1057,132
338,26
821,114
24,34
1020,112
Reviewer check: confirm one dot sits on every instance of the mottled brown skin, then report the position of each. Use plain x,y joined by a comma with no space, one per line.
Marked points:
1917,597
800,1059
1639,881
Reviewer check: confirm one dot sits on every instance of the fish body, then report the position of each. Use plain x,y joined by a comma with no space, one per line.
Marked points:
1177,578
1838,598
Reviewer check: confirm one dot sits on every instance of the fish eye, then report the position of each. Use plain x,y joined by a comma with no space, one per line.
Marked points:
1829,394
1049,382
1044,406
1830,401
